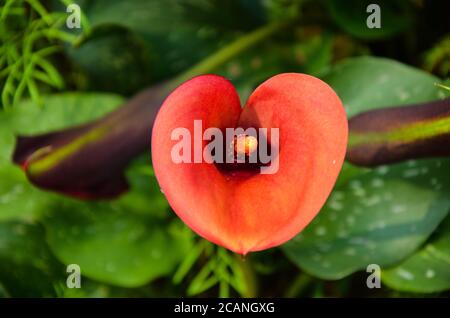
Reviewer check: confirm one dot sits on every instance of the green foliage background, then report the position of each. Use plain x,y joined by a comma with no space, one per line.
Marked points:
52,77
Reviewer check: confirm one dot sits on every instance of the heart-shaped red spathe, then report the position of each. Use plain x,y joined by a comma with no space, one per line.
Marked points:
260,211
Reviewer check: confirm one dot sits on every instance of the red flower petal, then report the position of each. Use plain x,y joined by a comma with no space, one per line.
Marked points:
251,213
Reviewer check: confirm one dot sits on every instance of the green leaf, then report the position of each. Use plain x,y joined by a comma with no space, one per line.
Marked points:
62,111
18,198
113,244
145,195
379,217
427,271
27,268
351,16
366,83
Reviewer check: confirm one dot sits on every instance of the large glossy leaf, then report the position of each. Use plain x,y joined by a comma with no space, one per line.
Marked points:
27,268
427,271
366,83
383,215
18,198
126,242
114,245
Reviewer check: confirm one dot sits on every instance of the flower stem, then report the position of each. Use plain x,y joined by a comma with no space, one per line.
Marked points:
300,284
232,50
250,281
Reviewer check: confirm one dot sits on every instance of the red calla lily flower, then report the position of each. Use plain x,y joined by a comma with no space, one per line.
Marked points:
241,208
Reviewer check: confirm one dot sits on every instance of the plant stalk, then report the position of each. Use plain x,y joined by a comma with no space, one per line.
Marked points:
232,50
